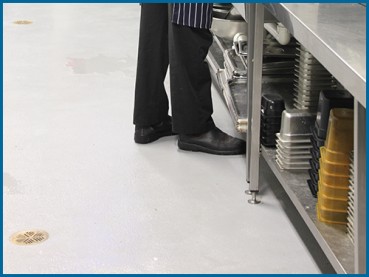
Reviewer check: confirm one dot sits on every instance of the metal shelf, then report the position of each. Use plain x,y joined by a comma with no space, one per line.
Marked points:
336,35
332,238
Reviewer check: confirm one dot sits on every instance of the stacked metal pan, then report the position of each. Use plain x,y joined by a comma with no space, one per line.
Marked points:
293,140
310,78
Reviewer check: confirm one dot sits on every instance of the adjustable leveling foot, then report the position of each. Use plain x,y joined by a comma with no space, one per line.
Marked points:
253,199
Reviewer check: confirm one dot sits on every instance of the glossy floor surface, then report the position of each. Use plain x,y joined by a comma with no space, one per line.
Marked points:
71,167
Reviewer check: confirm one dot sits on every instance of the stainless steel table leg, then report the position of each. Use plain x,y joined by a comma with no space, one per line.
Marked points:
254,63
250,14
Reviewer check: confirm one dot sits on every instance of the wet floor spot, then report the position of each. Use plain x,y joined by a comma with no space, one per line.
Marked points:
11,185
23,22
99,64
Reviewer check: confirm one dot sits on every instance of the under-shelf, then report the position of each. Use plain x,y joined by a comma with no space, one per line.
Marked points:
333,239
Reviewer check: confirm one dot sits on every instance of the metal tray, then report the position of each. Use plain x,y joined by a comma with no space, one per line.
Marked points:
291,166
294,138
296,123
279,64
307,98
293,157
301,164
293,151
305,91
234,65
314,77
306,84
235,96
307,61
306,103
304,99
304,53
303,143
311,68
293,146
306,108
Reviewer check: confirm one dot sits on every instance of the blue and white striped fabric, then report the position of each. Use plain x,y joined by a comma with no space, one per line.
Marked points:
196,15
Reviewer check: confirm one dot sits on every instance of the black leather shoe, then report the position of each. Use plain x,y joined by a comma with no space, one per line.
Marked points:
152,133
213,142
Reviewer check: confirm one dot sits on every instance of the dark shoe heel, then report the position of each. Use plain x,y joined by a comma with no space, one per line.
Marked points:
188,147
152,137
144,135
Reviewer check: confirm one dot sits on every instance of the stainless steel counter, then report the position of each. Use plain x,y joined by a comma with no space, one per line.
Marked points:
335,34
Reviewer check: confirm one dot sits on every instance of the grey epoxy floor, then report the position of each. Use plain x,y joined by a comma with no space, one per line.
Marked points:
71,167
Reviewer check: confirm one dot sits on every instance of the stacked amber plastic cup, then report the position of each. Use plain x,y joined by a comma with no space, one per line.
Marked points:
334,164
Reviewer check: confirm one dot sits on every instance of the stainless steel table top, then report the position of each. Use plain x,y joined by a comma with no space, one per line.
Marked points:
335,34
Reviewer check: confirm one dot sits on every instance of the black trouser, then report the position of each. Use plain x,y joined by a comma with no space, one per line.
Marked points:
185,48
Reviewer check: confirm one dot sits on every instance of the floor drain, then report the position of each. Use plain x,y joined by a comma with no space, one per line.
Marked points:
22,22
29,237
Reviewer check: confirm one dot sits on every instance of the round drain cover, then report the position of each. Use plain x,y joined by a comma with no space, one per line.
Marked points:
29,237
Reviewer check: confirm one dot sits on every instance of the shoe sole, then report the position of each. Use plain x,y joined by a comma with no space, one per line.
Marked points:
198,148
153,137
